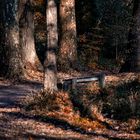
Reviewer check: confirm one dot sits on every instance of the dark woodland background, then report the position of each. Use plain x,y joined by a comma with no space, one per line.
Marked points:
51,42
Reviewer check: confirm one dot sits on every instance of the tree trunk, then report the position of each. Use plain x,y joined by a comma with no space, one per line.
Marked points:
3,62
132,63
50,78
27,42
68,42
12,39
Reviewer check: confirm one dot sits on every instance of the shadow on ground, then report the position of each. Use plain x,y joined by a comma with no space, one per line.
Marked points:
55,122
10,97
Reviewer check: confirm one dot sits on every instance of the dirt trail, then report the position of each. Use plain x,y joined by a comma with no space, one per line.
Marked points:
16,124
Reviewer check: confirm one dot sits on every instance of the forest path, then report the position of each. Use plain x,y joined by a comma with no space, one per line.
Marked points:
17,124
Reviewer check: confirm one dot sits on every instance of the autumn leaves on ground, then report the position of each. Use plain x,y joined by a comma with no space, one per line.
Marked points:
45,43
90,113
112,112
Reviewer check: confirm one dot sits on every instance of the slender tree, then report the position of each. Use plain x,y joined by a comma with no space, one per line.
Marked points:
133,61
50,78
27,42
68,42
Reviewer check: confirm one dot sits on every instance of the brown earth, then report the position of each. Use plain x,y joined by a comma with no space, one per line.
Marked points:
17,124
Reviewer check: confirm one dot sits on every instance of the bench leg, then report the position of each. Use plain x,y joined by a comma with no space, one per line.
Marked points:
74,85
65,86
102,80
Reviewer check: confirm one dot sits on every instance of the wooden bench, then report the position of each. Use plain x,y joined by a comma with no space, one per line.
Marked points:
65,84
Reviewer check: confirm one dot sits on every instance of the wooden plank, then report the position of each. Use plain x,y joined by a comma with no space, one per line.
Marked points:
74,81
82,80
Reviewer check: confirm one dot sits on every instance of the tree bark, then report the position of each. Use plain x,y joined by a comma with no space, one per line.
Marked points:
19,37
11,18
68,41
3,62
27,42
50,78
132,63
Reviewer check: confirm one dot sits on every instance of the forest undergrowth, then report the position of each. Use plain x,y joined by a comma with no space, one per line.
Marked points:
116,107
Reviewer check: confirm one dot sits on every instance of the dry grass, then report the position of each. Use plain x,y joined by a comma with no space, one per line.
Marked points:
88,108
